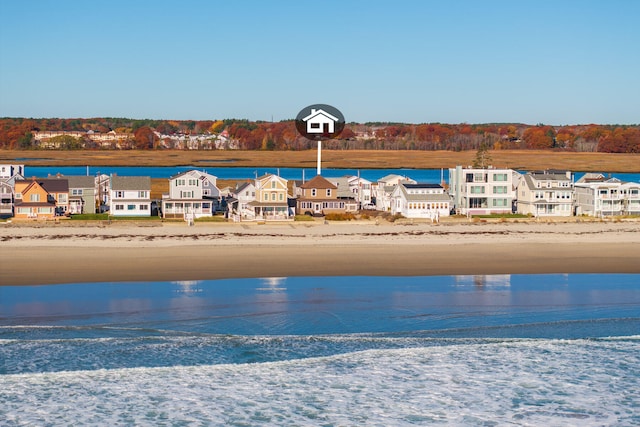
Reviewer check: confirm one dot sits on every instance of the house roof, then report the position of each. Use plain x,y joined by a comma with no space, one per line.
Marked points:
243,187
81,181
343,187
54,185
422,185
423,197
552,175
130,183
318,182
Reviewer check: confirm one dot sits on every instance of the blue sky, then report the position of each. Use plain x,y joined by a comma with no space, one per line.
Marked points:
553,62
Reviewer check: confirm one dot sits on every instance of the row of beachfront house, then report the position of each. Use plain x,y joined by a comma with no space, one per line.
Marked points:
194,194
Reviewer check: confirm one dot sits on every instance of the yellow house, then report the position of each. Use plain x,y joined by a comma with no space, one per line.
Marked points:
271,200
33,201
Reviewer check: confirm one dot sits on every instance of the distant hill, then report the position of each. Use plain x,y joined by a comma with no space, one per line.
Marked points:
95,133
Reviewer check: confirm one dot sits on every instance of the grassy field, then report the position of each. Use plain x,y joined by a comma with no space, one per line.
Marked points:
349,159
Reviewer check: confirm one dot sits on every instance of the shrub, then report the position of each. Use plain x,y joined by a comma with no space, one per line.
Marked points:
339,217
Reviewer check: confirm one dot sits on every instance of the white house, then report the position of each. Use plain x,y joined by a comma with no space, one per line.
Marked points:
478,191
9,171
8,176
319,121
130,195
608,197
420,201
546,193
362,189
239,203
192,194
385,187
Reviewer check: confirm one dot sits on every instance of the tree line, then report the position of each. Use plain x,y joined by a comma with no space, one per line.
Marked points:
17,133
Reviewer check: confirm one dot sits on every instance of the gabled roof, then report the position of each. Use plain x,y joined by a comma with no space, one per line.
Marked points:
390,177
243,187
130,183
318,182
195,174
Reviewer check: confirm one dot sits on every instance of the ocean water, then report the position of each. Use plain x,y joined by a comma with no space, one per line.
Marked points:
532,350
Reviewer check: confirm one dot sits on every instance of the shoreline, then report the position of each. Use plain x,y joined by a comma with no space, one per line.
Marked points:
49,254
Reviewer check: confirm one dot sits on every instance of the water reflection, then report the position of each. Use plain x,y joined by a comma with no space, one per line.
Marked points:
320,305
483,281
272,284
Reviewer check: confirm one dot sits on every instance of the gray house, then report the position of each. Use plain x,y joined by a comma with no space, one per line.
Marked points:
82,194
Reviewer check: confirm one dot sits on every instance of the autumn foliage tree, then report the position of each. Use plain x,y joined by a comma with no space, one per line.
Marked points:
145,138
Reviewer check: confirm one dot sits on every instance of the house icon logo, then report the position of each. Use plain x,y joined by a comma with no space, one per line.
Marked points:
320,121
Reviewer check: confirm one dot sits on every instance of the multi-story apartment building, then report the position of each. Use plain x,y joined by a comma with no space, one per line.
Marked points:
545,193
478,191
606,197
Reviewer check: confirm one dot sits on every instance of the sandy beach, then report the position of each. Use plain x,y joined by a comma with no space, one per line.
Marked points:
48,253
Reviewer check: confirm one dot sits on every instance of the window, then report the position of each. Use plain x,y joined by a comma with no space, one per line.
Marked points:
539,195
34,198
168,206
477,189
206,192
477,202
499,176
273,184
62,198
273,197
119,207
499,202
478,177
281,197
328,192
206,205
142,194
76,192
313,192
180,182
45,210
502,189
18,195
144,207
119,194
131,207
193,182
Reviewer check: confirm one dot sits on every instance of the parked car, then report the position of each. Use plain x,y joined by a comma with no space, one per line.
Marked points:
369,207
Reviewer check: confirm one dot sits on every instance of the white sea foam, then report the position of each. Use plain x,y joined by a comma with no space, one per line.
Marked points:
519,382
